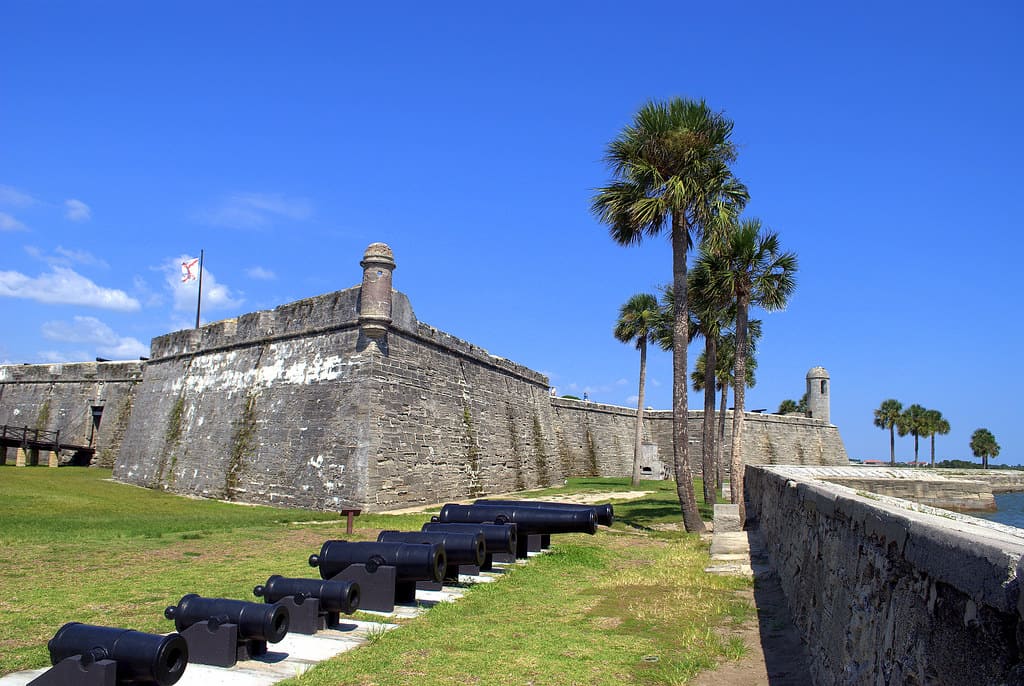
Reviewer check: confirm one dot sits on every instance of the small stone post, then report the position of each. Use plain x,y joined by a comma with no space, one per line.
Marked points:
375,296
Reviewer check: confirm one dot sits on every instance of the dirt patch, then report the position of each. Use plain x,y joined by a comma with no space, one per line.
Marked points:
588,498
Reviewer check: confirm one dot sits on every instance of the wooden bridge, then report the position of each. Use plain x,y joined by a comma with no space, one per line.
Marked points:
30,442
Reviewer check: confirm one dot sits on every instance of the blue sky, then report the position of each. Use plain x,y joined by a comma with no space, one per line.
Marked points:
881,140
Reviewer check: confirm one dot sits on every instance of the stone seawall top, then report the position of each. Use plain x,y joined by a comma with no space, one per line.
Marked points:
879,585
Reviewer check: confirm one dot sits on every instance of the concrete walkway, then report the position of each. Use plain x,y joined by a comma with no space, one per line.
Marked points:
297,652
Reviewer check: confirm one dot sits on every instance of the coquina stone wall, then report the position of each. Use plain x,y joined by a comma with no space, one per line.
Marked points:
60,397
888,592
601,437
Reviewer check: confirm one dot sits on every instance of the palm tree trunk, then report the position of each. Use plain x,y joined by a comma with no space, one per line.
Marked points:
680,434
720,444
708,435
892,446
739,389
638,443
915,450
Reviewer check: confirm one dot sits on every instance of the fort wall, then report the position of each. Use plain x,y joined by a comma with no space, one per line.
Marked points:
887,591
60,397
346,399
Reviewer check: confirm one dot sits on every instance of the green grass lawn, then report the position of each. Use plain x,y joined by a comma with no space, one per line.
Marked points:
629,605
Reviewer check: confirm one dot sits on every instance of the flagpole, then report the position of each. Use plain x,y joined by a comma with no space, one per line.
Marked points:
199,298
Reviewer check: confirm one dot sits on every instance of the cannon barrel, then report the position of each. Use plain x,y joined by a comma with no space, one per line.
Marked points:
530,520
462,548
141,658
605,513
412,561
334,595
256,621
499,538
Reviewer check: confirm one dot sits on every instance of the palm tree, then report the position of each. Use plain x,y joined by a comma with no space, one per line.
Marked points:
725,380
886,417
936,424
638,319
913,421
671,169
709,313
753,271
983,445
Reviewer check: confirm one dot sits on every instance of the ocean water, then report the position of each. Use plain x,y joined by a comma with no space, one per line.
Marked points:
1010,510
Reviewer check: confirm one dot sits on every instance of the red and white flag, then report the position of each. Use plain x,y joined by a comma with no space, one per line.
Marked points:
189,271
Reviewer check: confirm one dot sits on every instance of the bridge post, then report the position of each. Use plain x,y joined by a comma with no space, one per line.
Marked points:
54,460
20,459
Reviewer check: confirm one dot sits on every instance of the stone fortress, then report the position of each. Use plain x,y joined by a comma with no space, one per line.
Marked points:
347,400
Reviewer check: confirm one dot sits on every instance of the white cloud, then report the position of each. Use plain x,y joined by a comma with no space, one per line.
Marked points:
90,330
79,330
64,286
260,273
80,257
54,356
256,210
65,257
76,210
9,223
125,349
215,295
12,197
632,400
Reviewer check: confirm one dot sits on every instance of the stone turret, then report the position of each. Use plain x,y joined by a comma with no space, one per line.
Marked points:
375,297
818,393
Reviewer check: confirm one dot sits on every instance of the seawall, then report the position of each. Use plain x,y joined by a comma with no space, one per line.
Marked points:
886,591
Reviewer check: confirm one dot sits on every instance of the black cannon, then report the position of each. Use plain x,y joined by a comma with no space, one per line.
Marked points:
313,604
605,513
84,654
500,539
462,548
221,631
386,572
533,522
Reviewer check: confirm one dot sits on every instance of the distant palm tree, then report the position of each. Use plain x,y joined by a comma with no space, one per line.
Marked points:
638,319
983,445
787,407
913,421
936,424
886,417
752,270
671,169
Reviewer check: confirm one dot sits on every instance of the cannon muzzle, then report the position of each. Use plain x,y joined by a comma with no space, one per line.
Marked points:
499,538
141,658
530,520
256,621
605,513
462,548
412,561
334,595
